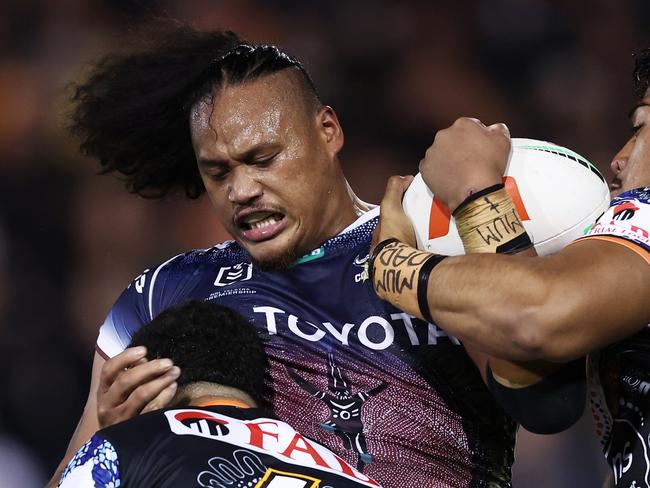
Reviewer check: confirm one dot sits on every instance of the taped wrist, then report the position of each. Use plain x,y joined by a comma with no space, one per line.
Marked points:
487,221
549,406
400,275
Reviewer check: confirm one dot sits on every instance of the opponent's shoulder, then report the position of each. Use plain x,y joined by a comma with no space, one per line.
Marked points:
626,222
641,194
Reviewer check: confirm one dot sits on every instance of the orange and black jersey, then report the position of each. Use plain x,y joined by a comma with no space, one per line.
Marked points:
207,446
619,374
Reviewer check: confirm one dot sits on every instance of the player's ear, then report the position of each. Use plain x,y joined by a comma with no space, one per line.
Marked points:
328,126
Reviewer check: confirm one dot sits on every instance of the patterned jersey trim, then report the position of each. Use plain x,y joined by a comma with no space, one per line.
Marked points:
105,465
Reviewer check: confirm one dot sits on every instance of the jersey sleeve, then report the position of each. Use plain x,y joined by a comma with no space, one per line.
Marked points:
142,300
95,465
626,222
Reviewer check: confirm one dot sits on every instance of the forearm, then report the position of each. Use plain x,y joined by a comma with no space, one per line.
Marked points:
555,308
490,301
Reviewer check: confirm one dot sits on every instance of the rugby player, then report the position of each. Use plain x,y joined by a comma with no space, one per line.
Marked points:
540,312
213,433
207,112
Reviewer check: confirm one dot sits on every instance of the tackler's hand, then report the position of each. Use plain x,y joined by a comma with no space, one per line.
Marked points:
465,158
393,222
130,385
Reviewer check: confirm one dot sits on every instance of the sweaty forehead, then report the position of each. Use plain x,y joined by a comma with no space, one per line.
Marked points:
249,113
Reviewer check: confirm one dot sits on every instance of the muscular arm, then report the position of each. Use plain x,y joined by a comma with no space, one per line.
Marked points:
554,308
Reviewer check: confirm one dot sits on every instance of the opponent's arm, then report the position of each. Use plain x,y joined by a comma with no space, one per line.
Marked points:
554,308
120,388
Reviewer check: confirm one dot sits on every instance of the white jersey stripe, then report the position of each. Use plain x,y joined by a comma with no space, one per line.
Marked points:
153,282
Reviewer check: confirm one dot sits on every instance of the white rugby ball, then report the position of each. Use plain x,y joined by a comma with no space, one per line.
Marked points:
557,192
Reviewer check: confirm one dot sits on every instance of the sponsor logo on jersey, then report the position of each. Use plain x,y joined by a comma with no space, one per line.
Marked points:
315,254
625,211
232,274
374,332
268,436
627,219
361,262
203,423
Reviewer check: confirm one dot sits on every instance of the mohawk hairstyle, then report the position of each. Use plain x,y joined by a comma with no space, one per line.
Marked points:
642,72
132,113
208,342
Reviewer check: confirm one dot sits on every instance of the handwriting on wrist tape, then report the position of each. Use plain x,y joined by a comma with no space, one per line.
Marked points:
492,224
395,275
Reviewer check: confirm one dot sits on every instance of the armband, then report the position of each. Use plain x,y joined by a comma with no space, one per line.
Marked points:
487,222
551,405
400,275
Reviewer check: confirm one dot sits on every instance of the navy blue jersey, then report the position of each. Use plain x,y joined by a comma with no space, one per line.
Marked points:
394,396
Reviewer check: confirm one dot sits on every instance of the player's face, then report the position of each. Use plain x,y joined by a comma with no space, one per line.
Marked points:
270,169
631,166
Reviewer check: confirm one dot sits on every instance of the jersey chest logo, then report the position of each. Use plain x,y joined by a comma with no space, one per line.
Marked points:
232,274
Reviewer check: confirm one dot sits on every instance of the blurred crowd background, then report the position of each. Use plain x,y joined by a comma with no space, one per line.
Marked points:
396,72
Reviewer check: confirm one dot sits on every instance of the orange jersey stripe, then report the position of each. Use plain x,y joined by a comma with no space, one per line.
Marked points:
623,242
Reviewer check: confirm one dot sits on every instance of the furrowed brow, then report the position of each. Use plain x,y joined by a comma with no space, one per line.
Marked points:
255,150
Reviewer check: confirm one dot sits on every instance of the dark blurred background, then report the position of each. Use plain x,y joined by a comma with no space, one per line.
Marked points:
396,72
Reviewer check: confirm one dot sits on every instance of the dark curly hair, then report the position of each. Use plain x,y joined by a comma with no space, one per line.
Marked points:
132,112
208,342
642,71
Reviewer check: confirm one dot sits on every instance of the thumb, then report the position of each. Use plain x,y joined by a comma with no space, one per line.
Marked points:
395,189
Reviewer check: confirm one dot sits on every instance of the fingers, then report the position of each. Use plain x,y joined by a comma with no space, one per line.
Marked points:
393,221
500,128
132,389
468,122
395,189
130,379
163,398
152,393
472,119
114,366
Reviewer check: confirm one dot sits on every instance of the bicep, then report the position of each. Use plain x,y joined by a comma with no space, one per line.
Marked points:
598,294
554,308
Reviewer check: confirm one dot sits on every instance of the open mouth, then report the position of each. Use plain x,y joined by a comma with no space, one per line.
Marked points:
259,220
261,225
